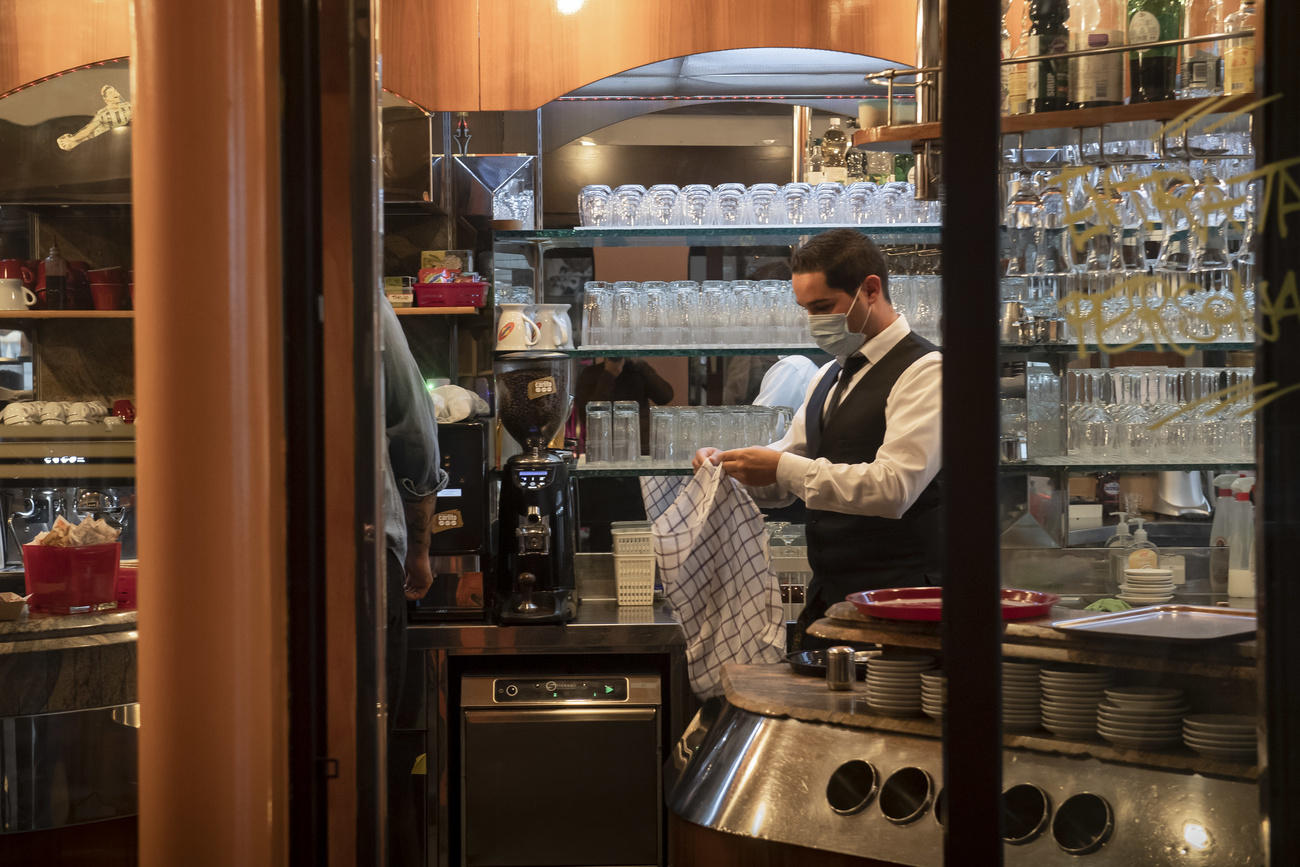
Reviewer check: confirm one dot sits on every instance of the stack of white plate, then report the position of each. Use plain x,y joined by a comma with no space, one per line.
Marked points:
1147,586
1070,698
1221,736
1142,717
934,693
894,683
1020,695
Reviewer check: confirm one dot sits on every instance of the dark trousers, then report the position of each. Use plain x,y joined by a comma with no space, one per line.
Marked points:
405,804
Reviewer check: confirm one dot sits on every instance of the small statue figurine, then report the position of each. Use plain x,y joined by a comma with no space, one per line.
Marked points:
115,113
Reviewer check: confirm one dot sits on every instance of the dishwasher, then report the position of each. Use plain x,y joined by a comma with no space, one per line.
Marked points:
562,770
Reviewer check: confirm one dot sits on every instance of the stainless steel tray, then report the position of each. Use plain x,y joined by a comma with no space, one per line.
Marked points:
1182,623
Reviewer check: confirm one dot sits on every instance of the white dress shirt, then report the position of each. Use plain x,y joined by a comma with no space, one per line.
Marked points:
908,458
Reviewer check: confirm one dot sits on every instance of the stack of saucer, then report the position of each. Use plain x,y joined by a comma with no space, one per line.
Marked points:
1147,586
934,693
1221,736
1071,694
894,683
1142,717
1020,695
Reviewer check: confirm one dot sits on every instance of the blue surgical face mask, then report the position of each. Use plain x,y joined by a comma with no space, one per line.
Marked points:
830,331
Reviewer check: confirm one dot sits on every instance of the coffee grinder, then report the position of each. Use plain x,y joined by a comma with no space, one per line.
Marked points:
537,530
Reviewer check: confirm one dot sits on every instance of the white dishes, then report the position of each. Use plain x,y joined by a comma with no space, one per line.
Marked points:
1071,695
934,693
1147,586
1221,736
1021,695
1142,717
894,683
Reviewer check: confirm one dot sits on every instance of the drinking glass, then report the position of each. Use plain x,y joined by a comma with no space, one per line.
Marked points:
627,431
693,205
663,431
624,203
597,313
797,204
711,426
858,203
729,205
593,205
714,315
683,314
657,206
657,315
687,440
763,205
599,432
826,202
629,310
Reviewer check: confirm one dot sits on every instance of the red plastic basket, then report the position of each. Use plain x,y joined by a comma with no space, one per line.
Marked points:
66,580
449,294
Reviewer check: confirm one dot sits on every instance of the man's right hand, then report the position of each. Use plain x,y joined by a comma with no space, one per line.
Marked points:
708,454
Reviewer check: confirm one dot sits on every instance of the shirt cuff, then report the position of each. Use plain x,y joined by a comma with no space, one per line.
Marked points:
791,470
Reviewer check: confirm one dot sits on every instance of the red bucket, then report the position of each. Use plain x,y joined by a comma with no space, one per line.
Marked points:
67,580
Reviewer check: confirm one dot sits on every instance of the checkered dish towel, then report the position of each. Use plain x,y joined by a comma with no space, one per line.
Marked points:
711,549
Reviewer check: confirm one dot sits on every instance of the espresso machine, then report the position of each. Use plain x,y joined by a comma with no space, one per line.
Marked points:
537,530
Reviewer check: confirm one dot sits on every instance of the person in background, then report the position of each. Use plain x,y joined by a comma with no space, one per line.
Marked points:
622,379
863,451
413,475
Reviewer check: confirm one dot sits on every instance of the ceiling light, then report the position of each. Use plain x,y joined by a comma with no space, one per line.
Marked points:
1197,836
568,7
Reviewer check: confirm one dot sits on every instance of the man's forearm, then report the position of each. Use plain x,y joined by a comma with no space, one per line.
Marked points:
419,521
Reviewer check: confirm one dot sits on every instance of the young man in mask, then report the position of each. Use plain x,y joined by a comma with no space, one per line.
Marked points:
863,451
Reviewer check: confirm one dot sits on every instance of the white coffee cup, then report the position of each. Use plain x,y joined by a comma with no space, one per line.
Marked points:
556,329
14,295
17,413
516,330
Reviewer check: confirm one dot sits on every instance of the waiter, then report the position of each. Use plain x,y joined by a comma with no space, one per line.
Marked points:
863,451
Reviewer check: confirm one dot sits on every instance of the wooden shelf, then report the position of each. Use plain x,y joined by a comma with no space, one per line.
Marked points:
1074,119
67,314
435,311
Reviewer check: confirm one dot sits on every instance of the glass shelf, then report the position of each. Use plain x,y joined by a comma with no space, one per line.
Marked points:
687,351
1073,348
645,468
1082,465
715,236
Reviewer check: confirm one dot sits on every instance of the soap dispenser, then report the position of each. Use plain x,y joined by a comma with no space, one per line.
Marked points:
1141,553
1241,540
1116,547
1222,506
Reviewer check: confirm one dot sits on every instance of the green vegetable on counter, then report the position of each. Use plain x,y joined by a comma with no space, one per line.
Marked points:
1109,605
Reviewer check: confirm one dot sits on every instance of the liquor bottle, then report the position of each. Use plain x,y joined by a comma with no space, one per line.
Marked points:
1202,72
1017,77
834,144
1153,71
56,279
815,172
1048,86
1097,80
1239,54
855,161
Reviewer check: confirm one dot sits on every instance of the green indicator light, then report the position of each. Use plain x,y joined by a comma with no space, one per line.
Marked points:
593,695
608,690
555,695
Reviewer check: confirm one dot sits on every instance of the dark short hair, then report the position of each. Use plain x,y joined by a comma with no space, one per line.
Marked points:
845,256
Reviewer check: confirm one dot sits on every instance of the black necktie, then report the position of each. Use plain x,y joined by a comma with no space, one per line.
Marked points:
852,365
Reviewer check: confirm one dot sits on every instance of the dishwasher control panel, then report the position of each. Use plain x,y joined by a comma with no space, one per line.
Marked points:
554,690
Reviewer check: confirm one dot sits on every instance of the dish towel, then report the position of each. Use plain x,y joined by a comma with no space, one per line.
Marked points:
711,548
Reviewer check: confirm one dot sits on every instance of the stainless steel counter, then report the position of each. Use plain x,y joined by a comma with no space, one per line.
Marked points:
602,626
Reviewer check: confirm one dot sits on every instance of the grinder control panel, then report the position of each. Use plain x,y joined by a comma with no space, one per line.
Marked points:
547,690
533,480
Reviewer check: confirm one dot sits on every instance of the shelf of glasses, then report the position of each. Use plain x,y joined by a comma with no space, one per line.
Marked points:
1073,119
688,351
715,236
585,470
1098,465
1111,349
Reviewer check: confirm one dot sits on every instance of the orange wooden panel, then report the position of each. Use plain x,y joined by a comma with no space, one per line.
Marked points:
430,52
530,54
40,39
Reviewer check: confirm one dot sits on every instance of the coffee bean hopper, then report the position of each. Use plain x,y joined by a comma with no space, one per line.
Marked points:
537,530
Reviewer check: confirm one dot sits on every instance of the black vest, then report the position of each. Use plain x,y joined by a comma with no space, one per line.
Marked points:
859,552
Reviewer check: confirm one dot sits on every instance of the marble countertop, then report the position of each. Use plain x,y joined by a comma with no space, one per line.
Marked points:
33,626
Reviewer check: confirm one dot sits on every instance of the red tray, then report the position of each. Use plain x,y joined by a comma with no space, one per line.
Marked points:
926,603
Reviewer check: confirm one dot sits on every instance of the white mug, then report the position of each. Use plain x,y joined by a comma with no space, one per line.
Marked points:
14,295
516,330
555,327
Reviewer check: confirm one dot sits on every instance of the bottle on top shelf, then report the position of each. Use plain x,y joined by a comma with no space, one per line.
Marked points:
1153,72
1202,68
56,279
1097,80
834,144
1016,75
1048,85
1239,54
816,173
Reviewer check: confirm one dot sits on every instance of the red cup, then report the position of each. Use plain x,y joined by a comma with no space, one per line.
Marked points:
65,580
16,269
115,274
108,296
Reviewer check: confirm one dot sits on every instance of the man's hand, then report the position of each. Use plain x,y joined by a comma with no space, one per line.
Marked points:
708,455
755,466
419,575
